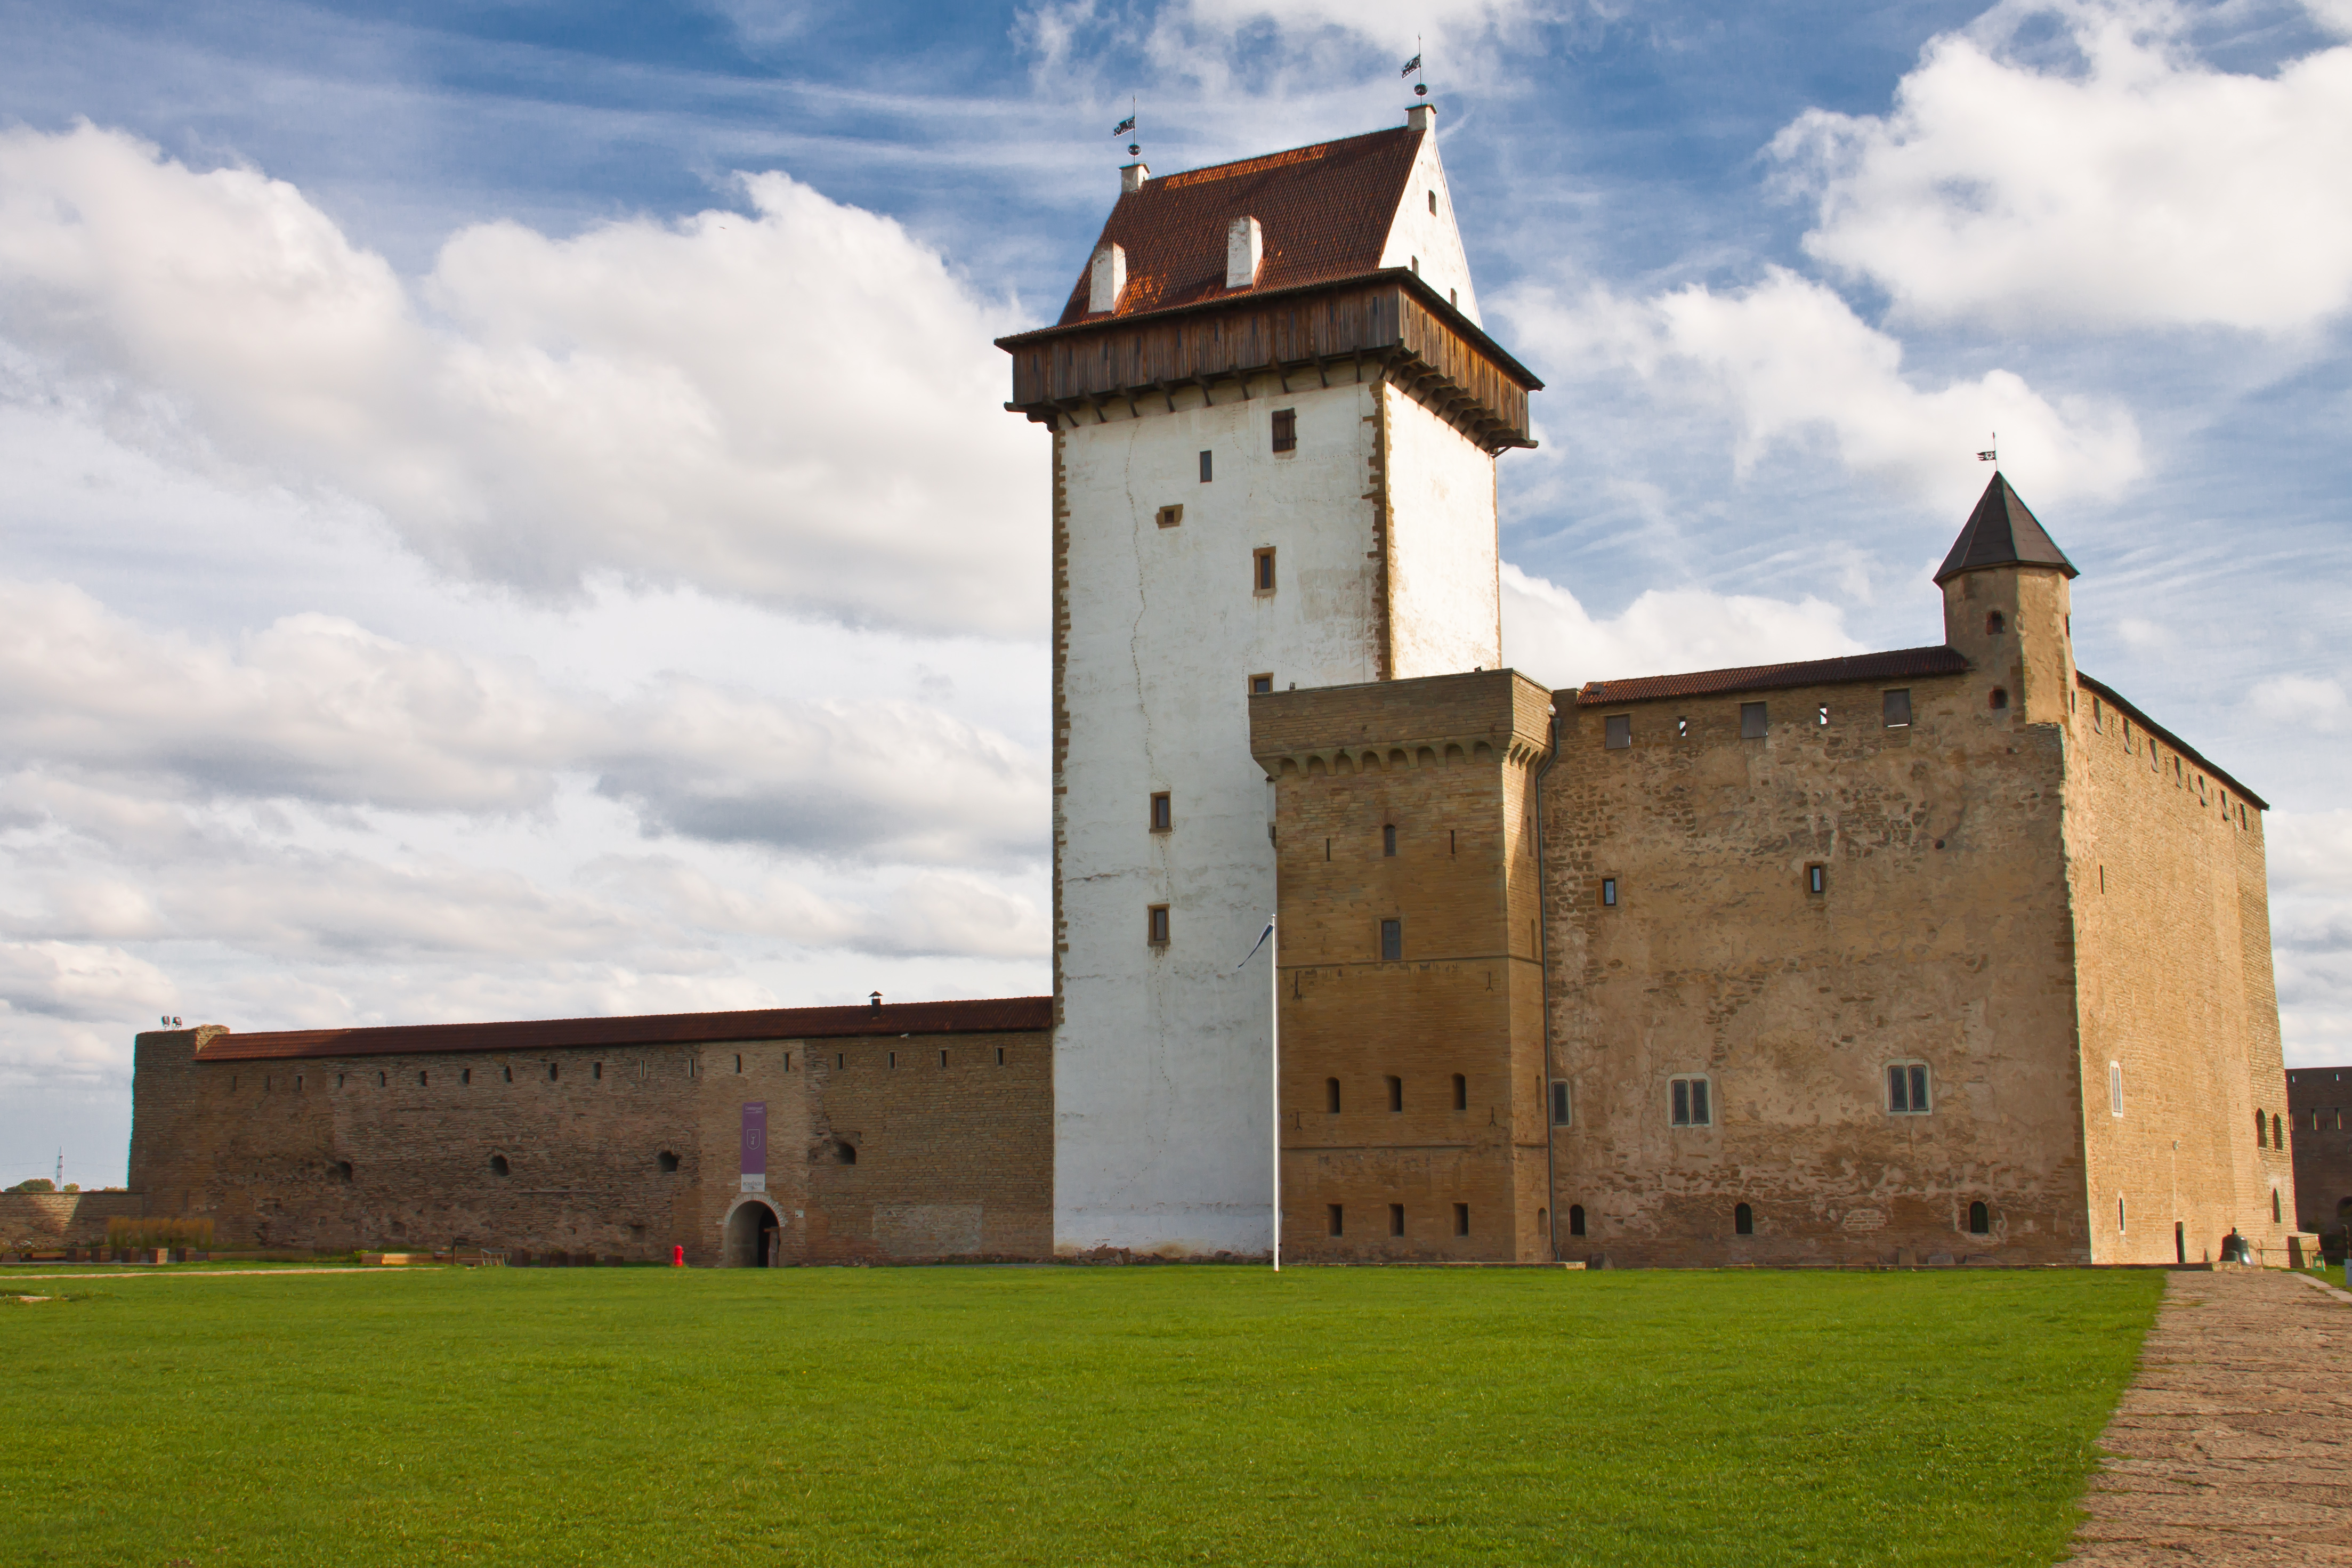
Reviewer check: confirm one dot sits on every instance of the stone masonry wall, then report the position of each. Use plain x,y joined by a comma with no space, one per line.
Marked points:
2319,1136
1447,762
1941,938
63,1219
398,1150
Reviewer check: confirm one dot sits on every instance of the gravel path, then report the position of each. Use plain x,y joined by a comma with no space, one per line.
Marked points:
2234,1444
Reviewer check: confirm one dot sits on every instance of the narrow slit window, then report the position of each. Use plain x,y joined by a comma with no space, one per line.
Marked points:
597,1070
1396,1219
1560,1102
1821,715
464,1077
1286,429
1817,880
1607,892
999,1056
1338,1219
1331,1097
1208,467
1432,204
1895,708
1163,812
1155,925
1575,1219
1682,729
1396,1093
1262,570
1392,940
1461,1092
1388,839
1752,721
943,1058
1617,731
739,1061
1461,1219
2115,1089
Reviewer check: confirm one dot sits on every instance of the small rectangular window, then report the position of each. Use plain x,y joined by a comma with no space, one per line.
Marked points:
1895,708
1607,892
1162,813
1687,1097
1560,1102
1156,925
1286,429
1205,468
2098,717
1169,516
1396,1219
1682,729
1392,940
1262,570
1821,714
1817,878
1260,685
1339,1220
1388,839
1461,1219
1432,204
1617,731
1461,1092
1396,1093
1752,721
2115,1089
1906,1089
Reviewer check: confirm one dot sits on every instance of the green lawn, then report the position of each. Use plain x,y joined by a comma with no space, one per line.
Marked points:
1059,1416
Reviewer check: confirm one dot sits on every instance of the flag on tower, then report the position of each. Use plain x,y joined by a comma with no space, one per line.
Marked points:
1411,66
1124,126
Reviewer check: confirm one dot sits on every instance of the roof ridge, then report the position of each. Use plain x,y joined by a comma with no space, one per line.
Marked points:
1304,153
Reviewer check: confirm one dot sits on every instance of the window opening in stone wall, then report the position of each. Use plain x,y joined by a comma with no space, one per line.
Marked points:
1617,731
1155,925
1396,1092
1396,1219
1416,266
465,1076
1560,1102
1461,1219
555,1071
420,1081
510,1072
2278,1134
343,1171
298,1083
2180,1242
1260,685
844,1152
1817,878
1575,1219
498,1166
1286,429
2274,1206
1895,708
739,1061
1687,1101
2098,717
2119,1215
1682,729
1331,1096
1743,1220
1205,470
999,1056
1163,812
1337,1219
1450,846
943,1058
1994,624
1461,1092
2103,879
1607,892
893,1060
596,1070
666,1161
1432,204
2115,1089
1752,721
339,1083
1979,1219
1906,1089
1169,516
1821,714
1999,699
1392,940
1388,839
840,1061
1262,570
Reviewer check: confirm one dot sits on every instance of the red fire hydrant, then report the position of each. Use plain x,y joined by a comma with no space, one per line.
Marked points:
677,1258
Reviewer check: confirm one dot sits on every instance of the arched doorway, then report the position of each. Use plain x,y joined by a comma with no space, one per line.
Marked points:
755,1235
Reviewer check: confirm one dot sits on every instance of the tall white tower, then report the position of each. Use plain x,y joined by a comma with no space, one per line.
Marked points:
1274,419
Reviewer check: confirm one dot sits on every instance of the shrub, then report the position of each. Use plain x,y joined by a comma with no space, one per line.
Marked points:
153,1232
38,1184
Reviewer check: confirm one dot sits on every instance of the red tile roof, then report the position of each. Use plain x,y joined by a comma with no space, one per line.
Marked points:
1890,665
1324,212
1010,1015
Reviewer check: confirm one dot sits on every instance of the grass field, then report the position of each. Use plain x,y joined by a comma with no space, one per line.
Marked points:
1059,1416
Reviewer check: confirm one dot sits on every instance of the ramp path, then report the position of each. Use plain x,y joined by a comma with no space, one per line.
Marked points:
2234,1444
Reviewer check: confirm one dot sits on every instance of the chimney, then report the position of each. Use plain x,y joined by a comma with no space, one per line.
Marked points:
1132,177
1420,117
1244,247
1108,281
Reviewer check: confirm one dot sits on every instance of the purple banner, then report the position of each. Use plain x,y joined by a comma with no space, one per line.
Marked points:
755,1139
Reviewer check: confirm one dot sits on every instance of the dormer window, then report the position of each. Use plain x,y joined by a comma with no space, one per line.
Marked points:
1245,248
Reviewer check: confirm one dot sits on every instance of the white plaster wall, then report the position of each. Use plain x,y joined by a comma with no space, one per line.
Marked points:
1161,1077
1434,238
1445,577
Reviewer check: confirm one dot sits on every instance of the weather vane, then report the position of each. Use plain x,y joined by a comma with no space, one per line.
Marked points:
1991,454
1419,88
1134,149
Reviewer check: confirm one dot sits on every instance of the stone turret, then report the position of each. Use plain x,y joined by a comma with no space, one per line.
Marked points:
2007,607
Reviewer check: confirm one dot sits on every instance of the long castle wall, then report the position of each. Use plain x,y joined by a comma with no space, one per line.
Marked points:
952,1158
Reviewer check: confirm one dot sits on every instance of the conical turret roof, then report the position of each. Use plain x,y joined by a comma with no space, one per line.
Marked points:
2003,532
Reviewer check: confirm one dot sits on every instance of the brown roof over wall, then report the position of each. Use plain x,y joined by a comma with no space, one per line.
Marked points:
2117,699
1010,1015
1893,666
1323,211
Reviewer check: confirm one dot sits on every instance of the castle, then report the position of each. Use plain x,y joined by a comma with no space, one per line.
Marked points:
1950,953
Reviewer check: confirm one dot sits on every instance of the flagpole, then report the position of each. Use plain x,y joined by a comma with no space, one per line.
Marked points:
1273,1038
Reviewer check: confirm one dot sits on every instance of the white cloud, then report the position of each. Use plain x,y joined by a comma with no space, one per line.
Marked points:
74,981
1788,359
1549,635
799,405
316,709
2307,702
2310,857
932,913
2130,184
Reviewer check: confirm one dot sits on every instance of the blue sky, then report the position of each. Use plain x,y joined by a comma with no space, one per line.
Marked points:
512,515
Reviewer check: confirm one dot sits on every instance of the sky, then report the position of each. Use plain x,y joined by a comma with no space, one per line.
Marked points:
511,512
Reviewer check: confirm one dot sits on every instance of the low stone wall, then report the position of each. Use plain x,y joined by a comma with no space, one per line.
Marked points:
63,1219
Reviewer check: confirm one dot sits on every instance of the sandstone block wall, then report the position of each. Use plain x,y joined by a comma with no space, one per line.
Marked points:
63,1219
2319,1137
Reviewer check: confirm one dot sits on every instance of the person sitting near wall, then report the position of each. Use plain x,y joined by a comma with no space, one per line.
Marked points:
2234,1247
